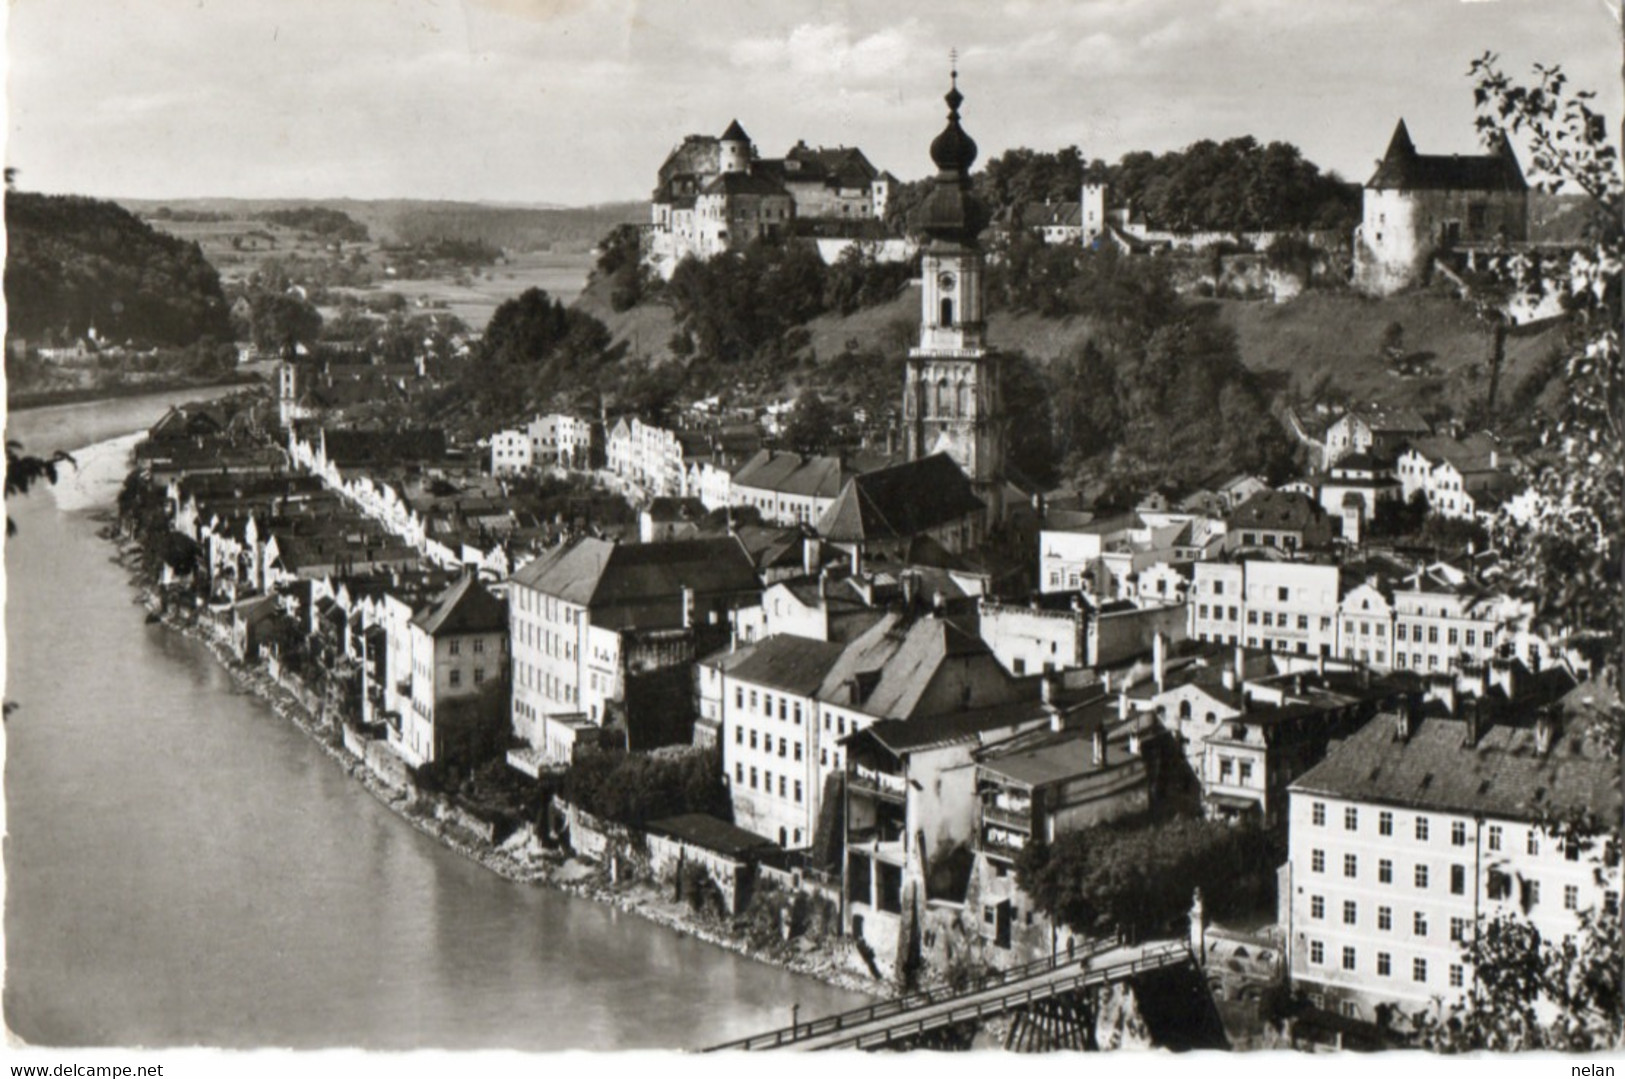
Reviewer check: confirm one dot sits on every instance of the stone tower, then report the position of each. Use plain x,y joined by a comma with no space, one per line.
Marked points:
733,150
952,397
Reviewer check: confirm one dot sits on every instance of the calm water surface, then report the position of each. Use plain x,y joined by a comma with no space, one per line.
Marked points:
183,867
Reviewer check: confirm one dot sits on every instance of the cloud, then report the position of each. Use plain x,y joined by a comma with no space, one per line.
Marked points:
830,49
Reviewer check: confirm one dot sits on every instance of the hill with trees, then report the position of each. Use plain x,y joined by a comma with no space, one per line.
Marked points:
76,263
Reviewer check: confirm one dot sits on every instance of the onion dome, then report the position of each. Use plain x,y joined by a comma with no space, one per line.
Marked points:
953,150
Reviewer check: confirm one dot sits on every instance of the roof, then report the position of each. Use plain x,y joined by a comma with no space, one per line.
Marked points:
703,830
1284,510
1503,776
350,447
735,133
465,607
600,574
912,735
1390,418
1402,167
1470,454
894,661
1069,755
792,474
794,664
901,501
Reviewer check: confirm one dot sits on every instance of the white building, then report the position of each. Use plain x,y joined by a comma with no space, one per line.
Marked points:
1411,831
459,655
1277,606
510,453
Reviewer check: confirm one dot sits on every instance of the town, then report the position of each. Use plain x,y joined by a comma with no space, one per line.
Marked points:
1259,756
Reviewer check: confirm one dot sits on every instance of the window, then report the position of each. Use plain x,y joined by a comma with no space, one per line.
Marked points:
1385,918
1385,823
456,647
1458,833
1351,865
1317,906
1385,964
1317,861
1218,588
456,677
753,739
1252,618
1351,819
1246,772
1457,975
1458,880
1317,813
798,788
1533,845
1419,924
798,751
1419,970
767,705
1348,958
1421,829
753,700
753,779
1317,952
1495,837
1571,897
739,773
1282,595
1433,634
1421,876
1351,912
1399,632
739,736
1458,930
1303,621
1269,619
1385,871
739,697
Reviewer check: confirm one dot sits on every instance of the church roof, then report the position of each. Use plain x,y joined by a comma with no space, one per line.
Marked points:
899,502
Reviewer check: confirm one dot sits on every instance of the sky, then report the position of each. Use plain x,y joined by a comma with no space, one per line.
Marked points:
578,101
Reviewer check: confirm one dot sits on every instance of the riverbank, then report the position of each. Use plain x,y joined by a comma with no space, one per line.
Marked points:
24,402
521,859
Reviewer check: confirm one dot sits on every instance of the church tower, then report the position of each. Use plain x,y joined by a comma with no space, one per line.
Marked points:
952,397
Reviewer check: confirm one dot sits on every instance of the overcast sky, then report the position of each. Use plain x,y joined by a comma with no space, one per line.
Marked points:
578,101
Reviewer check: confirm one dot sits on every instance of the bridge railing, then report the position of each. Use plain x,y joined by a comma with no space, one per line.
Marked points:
972,1010
828,1024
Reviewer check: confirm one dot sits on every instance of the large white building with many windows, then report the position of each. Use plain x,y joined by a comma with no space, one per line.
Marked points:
1412,831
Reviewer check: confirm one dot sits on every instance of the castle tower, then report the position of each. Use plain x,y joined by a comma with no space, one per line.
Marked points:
1092,212
952,395
733,150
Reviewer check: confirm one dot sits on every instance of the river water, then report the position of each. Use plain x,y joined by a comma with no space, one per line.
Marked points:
183,867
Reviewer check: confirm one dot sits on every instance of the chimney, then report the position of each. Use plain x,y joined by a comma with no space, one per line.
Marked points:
688,607
857,560
1122,704
810,555
1475,723
1495,459
1241,663
1134,741
1106,682
939,604
1100,745
911,585
1159,655
1320,665
1546,730
1228,677
823,584
1048,687
1402,724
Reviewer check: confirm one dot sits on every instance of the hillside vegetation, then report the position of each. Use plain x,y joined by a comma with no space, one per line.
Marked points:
75,263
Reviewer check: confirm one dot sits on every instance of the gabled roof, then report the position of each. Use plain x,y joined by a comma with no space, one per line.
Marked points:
1403,168
465,607
902,501
1277,510
1470,454
895,661
796,665
599,574
903,736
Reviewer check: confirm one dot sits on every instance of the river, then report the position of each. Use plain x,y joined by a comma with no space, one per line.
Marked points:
185,868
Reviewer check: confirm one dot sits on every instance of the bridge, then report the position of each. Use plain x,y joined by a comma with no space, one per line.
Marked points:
1042,991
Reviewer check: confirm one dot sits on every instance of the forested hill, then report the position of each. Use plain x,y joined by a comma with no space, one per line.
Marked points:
74,263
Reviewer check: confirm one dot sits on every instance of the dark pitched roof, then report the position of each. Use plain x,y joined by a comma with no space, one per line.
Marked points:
735,133
902,501
712,834
910,735
599,574
798,665
1403,168
1279,510
1501,776
465,607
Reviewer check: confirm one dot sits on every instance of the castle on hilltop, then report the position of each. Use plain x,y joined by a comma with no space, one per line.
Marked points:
1419,206
715,194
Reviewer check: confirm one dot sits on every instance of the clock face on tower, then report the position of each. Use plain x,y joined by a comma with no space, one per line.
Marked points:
945,282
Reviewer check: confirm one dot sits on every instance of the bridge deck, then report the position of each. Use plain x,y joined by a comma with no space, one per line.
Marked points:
882,1023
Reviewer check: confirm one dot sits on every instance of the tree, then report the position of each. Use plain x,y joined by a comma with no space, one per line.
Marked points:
1566,561
812,424
23,471
283,322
